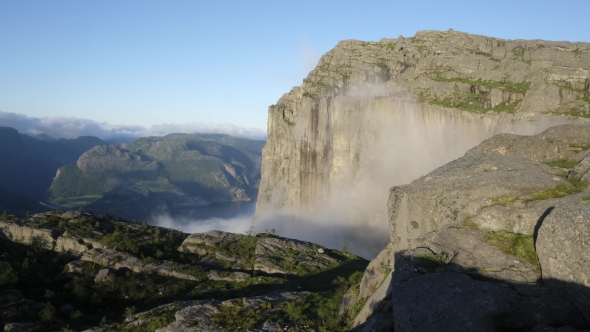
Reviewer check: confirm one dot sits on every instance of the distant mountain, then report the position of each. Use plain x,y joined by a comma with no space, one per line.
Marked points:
154,174
19,204
66,151
28,165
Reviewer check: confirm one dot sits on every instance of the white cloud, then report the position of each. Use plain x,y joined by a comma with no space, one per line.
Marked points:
70,127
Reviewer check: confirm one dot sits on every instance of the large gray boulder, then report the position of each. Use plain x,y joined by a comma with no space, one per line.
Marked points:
461,189
563,248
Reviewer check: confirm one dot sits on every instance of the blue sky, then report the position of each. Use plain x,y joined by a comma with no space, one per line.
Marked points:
151,62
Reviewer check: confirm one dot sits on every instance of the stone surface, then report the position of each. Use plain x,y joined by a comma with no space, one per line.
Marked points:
448,302
75,267
16,232
120,260
76,246
461,189
564,252
233,276
201,311
103,275
582,170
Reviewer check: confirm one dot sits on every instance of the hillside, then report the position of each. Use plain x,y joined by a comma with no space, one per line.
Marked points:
80,272
28,165
155,174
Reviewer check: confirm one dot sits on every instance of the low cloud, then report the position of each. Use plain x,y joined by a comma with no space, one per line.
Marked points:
71,127
238,224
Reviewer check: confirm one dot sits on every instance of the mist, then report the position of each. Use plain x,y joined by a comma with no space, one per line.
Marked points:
379,138
238,224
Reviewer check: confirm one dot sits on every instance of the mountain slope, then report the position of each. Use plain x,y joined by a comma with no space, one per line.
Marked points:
158,173
28,165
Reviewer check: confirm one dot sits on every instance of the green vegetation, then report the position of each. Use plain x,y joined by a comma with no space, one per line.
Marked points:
288,122
196,165
521,246
561,163
521,88
236,317
585,201
559,191
472,102
391,46
432,262
40,275
468,224
575,112
503,199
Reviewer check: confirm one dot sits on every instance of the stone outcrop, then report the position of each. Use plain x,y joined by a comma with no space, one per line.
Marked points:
74,245
494,240
564,252
376,114
16,232
201,311
121,260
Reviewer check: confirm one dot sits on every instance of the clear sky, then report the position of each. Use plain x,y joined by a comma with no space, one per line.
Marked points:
149,62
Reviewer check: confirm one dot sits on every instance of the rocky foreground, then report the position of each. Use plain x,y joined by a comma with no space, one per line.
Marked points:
77,271
494,241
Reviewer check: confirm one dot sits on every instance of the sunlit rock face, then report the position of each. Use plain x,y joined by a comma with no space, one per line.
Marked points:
372,115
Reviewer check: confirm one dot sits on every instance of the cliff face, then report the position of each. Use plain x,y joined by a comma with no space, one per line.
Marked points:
376,114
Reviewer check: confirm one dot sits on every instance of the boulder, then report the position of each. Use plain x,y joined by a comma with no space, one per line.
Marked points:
103,275
564,253
75,267
460,189
71,215
581,171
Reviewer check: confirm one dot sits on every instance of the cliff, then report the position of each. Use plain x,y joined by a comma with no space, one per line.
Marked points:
376,114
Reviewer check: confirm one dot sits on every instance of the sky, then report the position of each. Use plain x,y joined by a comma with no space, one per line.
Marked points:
215,64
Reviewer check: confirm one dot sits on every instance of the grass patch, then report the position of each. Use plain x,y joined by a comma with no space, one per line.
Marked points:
507,86
585,201
472,102
561,163
521,246
560,191
503,200
577,113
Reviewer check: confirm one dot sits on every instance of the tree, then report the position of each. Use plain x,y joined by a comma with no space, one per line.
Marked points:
48,314
7,274
129,312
